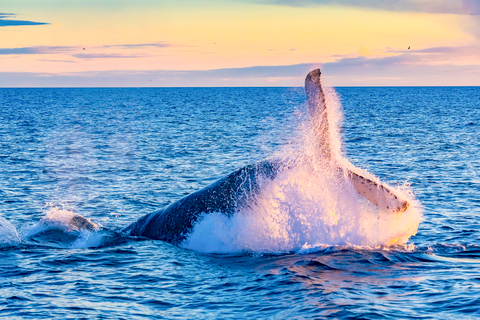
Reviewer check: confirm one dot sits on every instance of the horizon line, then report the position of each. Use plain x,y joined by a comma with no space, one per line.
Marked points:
223,87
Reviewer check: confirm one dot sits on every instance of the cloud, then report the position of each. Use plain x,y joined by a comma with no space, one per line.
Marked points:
415,58
472,25
427,67
73,50
6,21
462,50
38,50
106,56
139,45
233,77
260,71
437,66
407,69
472,6
51,60
468,7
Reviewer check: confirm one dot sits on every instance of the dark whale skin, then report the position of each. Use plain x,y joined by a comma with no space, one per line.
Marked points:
237,190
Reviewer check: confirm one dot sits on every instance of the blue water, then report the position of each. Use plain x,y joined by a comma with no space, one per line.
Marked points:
113,155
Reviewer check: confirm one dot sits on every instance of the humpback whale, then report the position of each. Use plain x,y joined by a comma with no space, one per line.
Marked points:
239,189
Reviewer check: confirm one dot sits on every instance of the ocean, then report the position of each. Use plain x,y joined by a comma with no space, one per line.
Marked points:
306,249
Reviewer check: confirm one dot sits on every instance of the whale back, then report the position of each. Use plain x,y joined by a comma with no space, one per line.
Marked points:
227,195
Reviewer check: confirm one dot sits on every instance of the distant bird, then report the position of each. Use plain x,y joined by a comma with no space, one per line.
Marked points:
408,48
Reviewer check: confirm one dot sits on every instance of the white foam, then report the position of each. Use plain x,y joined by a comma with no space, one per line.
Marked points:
309,207
8,233
67,233
88,239
54,218
300,211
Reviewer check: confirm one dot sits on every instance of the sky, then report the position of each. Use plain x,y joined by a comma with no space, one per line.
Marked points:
223,43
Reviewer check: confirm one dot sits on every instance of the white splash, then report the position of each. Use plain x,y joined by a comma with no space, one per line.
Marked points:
64,228
310,205
8,233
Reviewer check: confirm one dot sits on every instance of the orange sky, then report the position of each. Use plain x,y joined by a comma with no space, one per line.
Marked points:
223,43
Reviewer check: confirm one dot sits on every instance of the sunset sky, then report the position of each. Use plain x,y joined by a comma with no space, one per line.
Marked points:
52,43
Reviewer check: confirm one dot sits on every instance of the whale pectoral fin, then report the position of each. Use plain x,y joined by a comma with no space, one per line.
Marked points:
378,194
317,109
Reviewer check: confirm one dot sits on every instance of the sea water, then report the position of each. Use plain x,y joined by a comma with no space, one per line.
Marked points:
309,247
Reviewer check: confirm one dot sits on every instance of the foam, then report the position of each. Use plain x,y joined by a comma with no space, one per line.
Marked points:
299,211
8,233
66,229
309,207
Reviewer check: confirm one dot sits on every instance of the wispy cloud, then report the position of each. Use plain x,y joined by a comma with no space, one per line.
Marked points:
140,45
432,66
406,59
429,66
6,20
106,56
52,60
79,52
38,50
260,71
334,74
401,70
461,50
236,77
469,7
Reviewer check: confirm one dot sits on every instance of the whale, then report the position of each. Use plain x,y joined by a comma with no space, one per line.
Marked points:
239,189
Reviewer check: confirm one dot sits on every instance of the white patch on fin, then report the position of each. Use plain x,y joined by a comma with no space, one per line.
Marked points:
378,194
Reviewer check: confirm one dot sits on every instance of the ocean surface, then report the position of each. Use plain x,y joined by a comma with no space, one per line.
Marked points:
113,155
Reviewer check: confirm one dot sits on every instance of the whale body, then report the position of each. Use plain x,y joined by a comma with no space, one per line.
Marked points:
227,195
239,189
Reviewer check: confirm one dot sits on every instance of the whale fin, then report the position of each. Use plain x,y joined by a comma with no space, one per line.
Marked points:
378,194
317,109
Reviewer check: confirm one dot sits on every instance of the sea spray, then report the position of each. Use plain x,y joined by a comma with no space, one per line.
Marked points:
8,233
64,228
310,204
